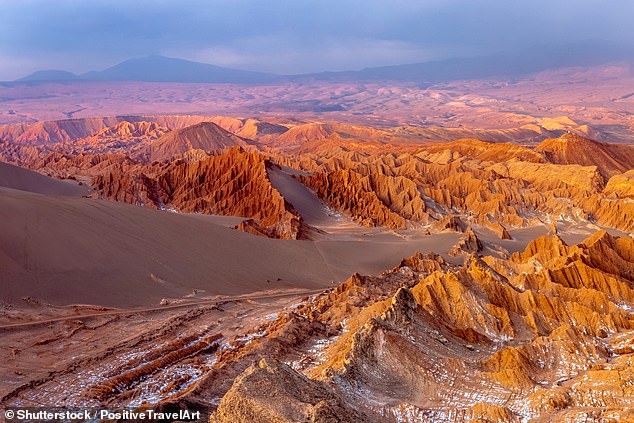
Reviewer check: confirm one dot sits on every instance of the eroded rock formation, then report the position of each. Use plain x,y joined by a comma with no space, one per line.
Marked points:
610,159
392,176
283,395
205,136
499,186
233,183
542,335
372,200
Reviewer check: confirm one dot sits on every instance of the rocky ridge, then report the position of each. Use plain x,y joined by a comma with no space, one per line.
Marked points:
543,336
205,136
609,159
497,186
233,183
380,177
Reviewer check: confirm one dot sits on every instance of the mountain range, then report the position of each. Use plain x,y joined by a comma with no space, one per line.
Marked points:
157,68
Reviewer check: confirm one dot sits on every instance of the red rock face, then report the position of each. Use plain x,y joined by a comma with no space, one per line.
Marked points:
234,183
112,160
373,200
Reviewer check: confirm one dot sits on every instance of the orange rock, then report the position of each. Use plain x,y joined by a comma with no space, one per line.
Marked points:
610,159
234,183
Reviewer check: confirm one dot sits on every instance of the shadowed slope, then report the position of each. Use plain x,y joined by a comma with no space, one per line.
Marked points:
25,180
206,136
610,159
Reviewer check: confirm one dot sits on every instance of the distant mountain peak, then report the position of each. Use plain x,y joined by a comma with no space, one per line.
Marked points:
49,75
156,68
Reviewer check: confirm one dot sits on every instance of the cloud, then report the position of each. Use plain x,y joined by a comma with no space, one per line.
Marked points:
275,53
292,36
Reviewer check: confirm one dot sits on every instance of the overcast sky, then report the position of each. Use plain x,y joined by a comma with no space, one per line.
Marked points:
292,36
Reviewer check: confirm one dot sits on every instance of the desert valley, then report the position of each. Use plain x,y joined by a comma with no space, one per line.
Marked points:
325,248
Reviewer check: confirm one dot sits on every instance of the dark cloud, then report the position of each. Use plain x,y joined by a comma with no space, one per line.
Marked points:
292,36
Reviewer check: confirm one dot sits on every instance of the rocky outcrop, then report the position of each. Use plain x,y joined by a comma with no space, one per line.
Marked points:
610,159
371,200
542,335
620,186
234,183
273,392
450,223
468,244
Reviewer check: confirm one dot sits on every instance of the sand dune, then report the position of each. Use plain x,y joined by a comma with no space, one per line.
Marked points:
25,180
306,202
76,250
